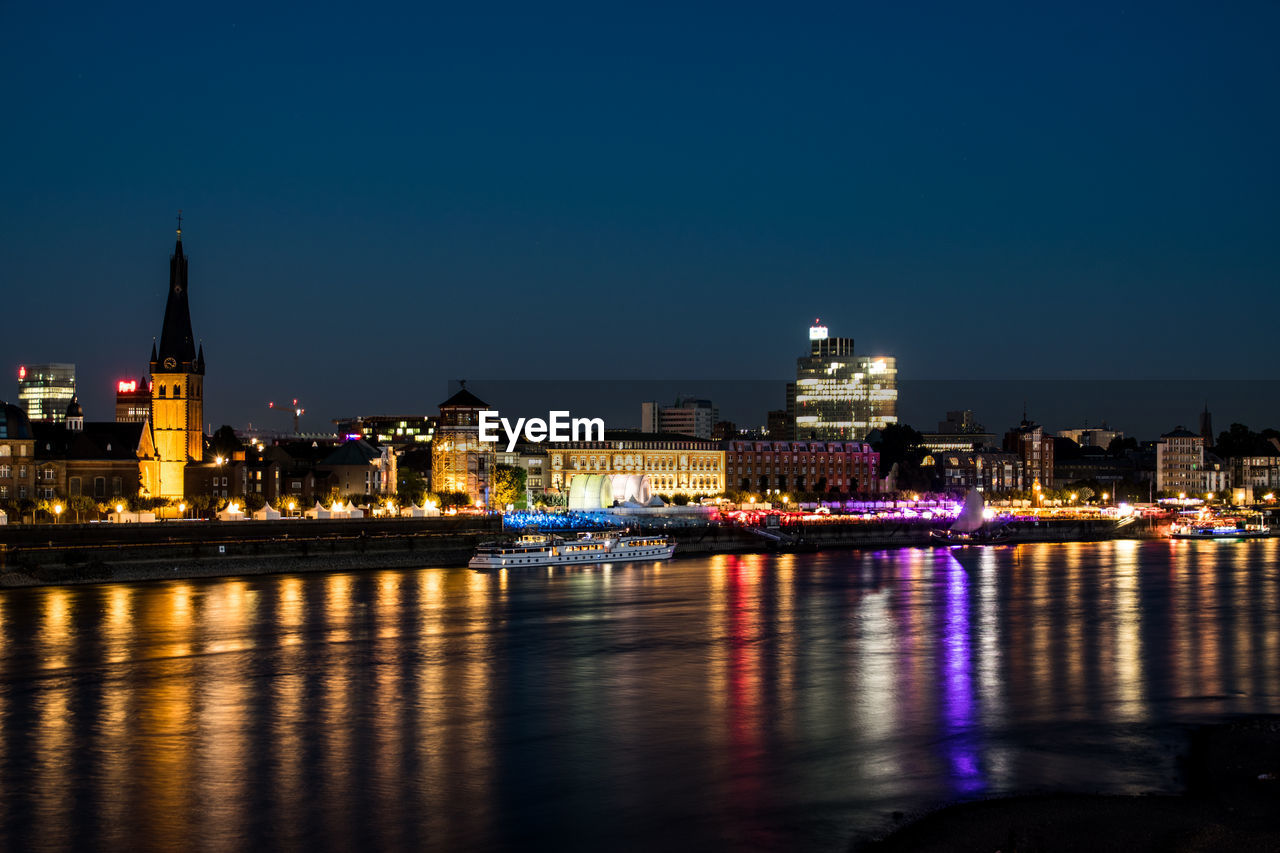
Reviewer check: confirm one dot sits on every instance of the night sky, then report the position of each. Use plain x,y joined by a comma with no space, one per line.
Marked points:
380,199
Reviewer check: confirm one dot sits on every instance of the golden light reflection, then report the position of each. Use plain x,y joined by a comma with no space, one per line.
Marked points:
1128,684
337,608
55,633
119,627
51,781
1074,649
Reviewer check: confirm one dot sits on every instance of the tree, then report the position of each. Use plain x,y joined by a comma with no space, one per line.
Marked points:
550,499
254,502
199,504
448,499
81,505
411,487
507,486
901,444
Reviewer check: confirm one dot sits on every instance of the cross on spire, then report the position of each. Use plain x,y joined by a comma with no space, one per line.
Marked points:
179,223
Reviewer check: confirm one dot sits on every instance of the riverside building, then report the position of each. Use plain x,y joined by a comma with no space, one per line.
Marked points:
843,467
675,464
841,395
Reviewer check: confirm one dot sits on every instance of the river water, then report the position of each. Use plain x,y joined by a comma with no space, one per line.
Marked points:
789,702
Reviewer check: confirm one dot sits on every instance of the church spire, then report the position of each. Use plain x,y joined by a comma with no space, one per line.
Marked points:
177,342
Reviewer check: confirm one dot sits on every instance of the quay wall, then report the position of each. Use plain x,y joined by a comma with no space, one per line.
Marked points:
67,554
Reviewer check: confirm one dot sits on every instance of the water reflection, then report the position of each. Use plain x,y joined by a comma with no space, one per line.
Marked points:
751,701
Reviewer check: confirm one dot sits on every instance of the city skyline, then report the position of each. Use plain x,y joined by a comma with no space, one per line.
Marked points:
1050,190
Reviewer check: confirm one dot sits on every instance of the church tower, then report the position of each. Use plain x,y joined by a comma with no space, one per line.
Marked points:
177,385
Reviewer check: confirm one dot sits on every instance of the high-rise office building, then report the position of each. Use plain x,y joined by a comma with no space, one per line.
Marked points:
45,390
841,395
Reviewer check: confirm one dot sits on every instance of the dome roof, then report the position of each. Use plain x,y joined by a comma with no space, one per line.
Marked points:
14,422
74,410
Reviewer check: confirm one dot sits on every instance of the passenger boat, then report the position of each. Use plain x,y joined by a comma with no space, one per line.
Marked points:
1236,525
536,549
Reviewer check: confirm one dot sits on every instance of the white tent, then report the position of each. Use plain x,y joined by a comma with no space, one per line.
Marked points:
4,517
352,512
318,511
415,511
231,513
267,513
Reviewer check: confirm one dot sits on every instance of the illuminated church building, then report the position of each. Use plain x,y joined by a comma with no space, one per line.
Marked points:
177,391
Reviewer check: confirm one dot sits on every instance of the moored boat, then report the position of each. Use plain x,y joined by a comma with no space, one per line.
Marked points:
533,550
1241,524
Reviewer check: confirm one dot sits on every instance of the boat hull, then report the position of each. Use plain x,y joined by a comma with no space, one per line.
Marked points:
1214,534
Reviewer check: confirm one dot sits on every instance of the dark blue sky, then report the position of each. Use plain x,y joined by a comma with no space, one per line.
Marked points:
379,199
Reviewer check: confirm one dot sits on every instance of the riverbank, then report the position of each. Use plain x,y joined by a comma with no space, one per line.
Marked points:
1232,803
102,553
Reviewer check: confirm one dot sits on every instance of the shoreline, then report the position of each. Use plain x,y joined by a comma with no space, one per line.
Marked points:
87,554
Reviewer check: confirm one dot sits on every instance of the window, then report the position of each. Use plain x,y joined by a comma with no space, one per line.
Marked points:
22,472
99,487
177,390
117,487
4,450
161,394
73,487
6,471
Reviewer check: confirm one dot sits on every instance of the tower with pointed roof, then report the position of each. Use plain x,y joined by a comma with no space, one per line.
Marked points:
177,386
460,461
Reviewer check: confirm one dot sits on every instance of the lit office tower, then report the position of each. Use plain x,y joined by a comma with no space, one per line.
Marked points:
44,390
841,395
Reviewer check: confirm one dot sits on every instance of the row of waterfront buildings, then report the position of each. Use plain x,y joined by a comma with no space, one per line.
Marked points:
819,444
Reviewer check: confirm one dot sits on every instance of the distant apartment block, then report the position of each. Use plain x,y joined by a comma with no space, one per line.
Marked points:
689,416
1180,461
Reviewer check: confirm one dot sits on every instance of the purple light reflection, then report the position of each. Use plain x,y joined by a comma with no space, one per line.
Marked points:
959,709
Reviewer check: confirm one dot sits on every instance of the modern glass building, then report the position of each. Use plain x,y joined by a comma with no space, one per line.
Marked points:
842,396
45,390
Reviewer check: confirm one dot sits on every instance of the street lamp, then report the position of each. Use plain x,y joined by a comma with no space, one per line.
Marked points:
182,509
57,511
